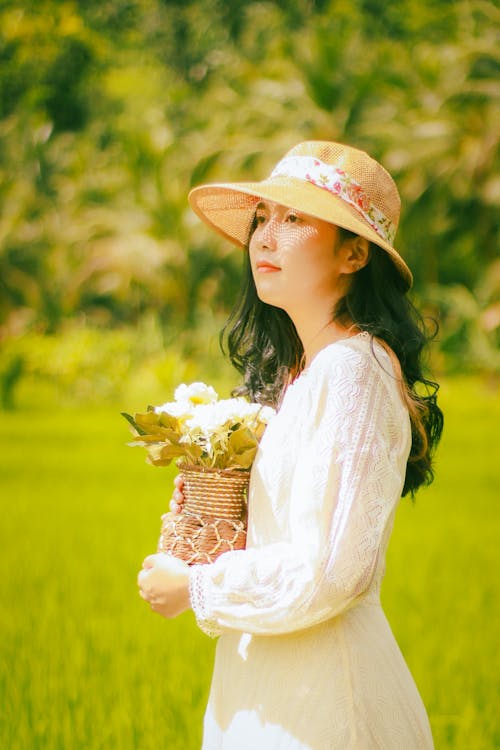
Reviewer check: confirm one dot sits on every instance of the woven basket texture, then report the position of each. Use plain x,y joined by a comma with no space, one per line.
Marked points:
213,518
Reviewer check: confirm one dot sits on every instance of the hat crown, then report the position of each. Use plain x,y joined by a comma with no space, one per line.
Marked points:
375,181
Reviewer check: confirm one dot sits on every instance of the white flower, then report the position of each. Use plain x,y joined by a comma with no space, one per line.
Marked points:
209,418
196,393
179,409
187,399
266,414
214,422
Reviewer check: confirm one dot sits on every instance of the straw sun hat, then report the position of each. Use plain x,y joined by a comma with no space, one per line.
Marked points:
330,181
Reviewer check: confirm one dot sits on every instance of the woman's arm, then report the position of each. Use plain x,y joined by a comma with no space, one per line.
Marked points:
345,487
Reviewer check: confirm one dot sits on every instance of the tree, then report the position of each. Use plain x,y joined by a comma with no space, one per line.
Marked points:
111,109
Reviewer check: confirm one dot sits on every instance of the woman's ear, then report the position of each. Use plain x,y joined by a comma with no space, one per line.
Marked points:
356,253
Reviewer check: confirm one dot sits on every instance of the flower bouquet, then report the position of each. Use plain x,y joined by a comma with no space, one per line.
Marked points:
214,443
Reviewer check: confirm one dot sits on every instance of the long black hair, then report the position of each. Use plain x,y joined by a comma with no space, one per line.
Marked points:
263,345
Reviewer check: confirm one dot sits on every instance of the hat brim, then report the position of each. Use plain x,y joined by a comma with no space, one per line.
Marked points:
229,208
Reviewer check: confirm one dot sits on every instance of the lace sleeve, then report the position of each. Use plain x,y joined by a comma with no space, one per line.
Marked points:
347,480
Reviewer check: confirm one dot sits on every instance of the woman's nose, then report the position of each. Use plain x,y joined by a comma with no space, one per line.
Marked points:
268,235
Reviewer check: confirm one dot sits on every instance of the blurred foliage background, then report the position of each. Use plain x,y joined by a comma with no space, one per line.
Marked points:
111,109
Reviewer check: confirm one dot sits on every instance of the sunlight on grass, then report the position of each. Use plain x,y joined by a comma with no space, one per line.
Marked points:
85,664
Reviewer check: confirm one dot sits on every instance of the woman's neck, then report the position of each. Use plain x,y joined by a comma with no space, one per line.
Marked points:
316,335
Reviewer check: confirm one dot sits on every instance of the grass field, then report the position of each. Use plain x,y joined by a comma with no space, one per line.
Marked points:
85,665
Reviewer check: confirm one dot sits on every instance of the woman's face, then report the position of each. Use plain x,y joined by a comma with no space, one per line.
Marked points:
293,258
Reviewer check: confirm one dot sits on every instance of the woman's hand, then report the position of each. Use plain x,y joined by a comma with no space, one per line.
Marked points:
177,501
164,583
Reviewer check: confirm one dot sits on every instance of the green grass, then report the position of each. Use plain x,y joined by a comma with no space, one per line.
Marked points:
85,665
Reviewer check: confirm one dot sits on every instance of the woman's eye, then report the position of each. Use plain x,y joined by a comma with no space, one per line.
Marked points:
292,218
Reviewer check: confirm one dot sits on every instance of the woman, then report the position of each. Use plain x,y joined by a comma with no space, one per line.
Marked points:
324,330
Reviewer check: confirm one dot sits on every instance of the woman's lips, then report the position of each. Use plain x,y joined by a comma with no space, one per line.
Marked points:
265,267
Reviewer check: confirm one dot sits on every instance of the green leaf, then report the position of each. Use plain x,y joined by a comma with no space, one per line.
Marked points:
133,423
259,430
171,451
242,449
146,420
193,452
167,420
169,436
144,441
163,455
152,424
242,460
242,440
158,461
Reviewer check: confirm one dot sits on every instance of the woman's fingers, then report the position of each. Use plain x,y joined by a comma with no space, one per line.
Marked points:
177,500
149,561
141,580
165,585
175,508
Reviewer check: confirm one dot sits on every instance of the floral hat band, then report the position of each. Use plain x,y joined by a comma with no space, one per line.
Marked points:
330,177
331,181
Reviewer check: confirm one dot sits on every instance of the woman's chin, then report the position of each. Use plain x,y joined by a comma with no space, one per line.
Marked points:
266,296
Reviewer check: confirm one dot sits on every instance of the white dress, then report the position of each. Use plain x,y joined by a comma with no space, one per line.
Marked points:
306,659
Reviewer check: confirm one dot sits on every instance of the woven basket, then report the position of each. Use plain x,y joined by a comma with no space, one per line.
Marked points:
213,518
